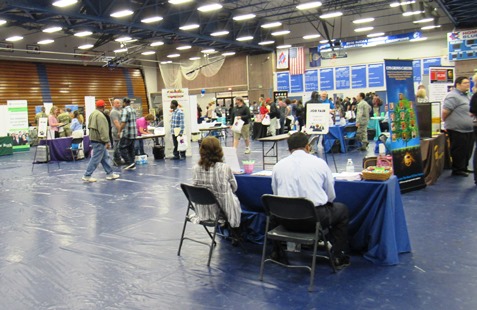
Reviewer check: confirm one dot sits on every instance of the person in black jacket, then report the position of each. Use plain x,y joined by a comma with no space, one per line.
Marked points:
473,111
241,111
274,118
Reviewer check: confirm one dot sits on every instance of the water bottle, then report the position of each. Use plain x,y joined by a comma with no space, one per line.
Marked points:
349,165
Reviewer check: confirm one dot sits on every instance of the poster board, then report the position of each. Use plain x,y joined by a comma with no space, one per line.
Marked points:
317,118
42,127
18,124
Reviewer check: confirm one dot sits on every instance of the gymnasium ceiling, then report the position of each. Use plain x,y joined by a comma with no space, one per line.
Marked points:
28,18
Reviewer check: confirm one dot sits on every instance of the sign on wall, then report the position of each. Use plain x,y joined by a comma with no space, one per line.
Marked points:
296,83
417,71
311,80
358,76
376,75
283,81
342,77
462,45
327,79
430,62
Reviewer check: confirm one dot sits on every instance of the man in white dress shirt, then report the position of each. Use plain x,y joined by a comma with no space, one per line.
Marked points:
304,175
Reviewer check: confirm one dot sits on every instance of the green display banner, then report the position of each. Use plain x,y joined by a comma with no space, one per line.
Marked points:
6,147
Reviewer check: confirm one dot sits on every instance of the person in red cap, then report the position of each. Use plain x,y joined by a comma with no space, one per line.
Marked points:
99,136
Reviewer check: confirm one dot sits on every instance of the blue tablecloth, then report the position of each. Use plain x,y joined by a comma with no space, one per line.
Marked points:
377,223
59,148
336,132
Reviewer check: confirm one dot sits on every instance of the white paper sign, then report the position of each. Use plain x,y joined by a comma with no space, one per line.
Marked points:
231,158
317,118
42,127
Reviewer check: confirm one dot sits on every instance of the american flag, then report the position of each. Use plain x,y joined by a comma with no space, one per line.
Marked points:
297,60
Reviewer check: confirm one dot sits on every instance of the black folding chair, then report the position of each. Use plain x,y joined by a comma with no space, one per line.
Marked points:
295,217
198,196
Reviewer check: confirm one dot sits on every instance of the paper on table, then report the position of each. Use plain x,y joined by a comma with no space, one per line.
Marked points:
347,176
267,173
231,159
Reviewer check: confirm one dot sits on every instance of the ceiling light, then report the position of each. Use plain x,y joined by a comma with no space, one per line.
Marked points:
326,41
410,13
173,55
123,39
148,53
157,43
244,17
418,39
228,54
245,38
219,33
83,33
425,20
64,3
280,33
396,4
266,42
363,20
210,7
46,41
122,13
309,5
184,47
52,29
284,46
121,50
376,34
208,51
152,19
85,46
14,38
271,25
431,27
2,22
331,15
311,36
194,58
178,1
166,62
363,29
189,27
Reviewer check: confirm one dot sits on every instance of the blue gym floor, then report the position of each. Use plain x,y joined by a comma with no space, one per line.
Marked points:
66,244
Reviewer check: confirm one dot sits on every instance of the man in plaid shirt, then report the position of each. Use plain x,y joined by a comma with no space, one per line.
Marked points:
177,121
128,134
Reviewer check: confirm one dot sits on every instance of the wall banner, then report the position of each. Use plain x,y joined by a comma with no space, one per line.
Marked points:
404,132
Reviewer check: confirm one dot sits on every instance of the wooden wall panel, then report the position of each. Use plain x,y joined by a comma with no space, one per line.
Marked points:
68,84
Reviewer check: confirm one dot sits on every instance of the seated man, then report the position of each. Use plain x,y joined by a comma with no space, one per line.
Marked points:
304,175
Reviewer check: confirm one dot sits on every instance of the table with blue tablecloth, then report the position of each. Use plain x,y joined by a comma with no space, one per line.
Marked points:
377,225
60,148
336,132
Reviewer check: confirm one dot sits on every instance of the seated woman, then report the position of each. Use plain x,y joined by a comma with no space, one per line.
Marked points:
75,123
217,176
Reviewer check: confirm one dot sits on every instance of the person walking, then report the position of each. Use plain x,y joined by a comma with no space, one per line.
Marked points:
362,120
115,117
177,129
241,111
128,134
99,137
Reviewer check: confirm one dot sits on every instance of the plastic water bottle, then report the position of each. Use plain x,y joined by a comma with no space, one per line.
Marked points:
349,165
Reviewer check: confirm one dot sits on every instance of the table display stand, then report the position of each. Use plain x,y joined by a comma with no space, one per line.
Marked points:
47,153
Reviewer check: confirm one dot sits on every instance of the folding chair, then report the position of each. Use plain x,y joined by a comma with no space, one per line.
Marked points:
292,215
350,136
75,147
198,196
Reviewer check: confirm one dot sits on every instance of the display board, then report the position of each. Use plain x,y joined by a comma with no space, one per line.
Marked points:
327,79
342,80
404,132
317,118
430,62
376,75
358,76
18,124
462,45
311,80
